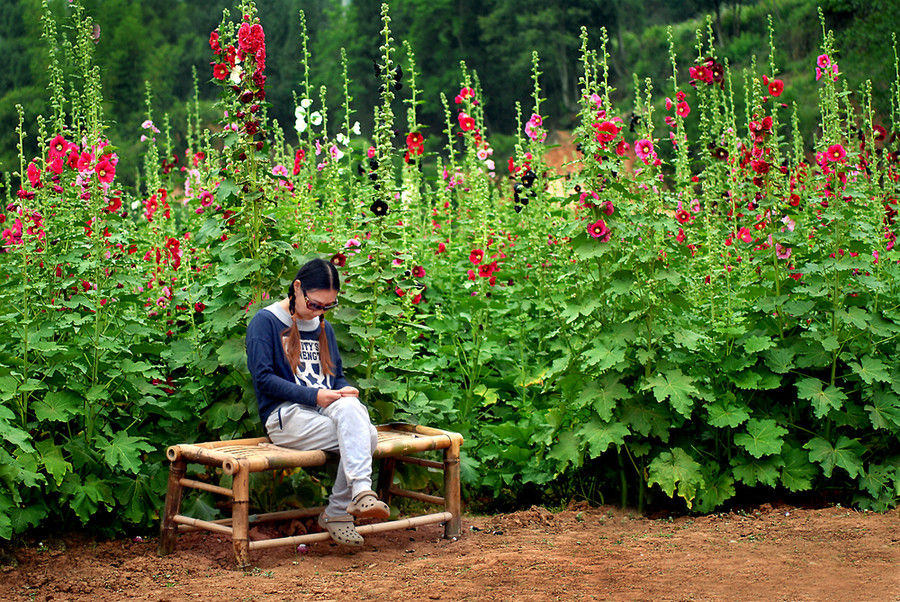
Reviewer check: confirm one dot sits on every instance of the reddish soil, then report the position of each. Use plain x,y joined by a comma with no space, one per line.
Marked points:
765,553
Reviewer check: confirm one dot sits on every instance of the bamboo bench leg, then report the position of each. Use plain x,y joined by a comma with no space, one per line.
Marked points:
386,479
451,491
169,529
240,518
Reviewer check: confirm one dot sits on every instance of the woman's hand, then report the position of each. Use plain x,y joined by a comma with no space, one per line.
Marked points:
349,391
325,397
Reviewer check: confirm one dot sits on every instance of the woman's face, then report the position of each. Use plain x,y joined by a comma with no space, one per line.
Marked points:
313,298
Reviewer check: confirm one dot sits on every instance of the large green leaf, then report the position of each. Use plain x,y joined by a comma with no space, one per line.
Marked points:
676,470
603,395
727,412
798,472
752,471
823,401
884,411
125,451
763,437
58,406
567,450
675,386
600,435
779,360
717,488
53,461
846,453
871,369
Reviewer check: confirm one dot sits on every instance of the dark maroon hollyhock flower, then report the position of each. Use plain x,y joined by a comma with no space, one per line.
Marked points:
339,259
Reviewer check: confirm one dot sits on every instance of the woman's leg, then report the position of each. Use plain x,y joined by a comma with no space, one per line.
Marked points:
342,427
357,440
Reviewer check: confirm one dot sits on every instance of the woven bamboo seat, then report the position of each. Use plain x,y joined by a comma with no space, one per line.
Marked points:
240,457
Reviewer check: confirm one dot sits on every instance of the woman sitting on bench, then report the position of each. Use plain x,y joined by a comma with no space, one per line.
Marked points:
304,400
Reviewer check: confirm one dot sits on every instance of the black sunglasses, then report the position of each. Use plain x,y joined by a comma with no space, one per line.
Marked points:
318,306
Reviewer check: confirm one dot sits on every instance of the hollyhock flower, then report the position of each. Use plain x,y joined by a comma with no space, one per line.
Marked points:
352,242
680,237
788,222
622,148
606,131
339,259
470,274
835,153
682,216
776,87
441,248
608,208
84,161
237,74
315,118
482,154
669,104
214,42
823,61
476,256
643,148
417,299
781,252
466,123
719,153
220,71
106,171
370,152
683,109
536,120
335,153
596,99
599,230
414,139
34,175
745,235
57,148
379,208
418,272
280,170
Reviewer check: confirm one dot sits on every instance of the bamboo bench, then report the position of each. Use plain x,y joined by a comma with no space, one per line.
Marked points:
240,457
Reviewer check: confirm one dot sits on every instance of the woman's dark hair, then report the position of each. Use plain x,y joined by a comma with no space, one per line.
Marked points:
316,274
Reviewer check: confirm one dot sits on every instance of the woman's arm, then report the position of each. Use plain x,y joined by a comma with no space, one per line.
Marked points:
261,363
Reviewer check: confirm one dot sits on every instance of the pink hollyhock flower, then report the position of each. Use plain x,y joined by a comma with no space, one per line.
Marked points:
643,148
823,61
835,153
745,235
536,120
683,109
482,154
608,208
353,242
370,152
418,272
397,262
595,98
57,148
782,252
280,170
669,104
471,275
789,223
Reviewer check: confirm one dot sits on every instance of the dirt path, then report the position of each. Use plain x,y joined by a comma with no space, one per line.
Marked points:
781,553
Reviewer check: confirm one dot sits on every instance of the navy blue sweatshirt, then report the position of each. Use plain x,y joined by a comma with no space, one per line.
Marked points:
269,367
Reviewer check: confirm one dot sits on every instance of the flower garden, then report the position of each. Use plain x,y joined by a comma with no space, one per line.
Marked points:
673,319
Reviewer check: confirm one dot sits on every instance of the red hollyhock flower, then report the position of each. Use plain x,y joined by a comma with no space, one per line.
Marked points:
599,230
34,175
606,131
214,42
339,260
84,161
476,256
220,71
835,153
57,148
485,270
418,272
682,216
417,299
414,139
106,171
466,122
199,307
776,87
622,148
683,108
441,247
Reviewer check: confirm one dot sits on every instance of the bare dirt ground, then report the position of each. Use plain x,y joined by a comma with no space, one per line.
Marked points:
583,553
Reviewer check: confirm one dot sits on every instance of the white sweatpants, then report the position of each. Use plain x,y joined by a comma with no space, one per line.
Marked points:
342,427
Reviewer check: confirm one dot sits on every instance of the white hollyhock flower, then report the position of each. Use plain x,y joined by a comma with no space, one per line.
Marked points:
305,103
315,118
299,112
300,125
355,129
236,74
341,138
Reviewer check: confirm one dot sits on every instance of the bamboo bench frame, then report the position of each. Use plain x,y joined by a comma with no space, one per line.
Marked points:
240,457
